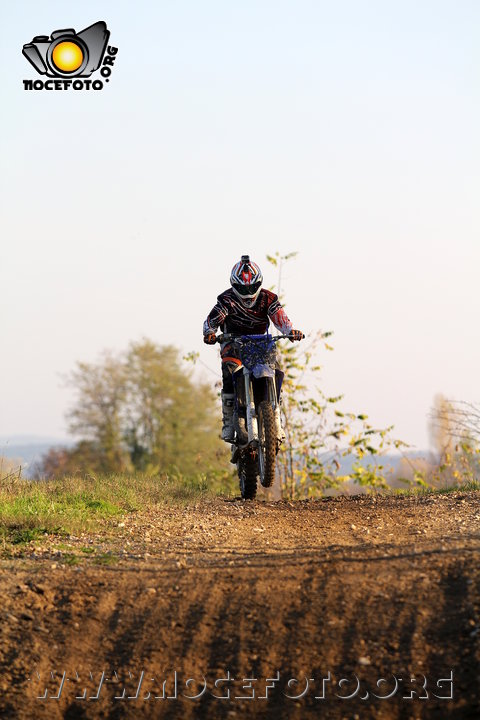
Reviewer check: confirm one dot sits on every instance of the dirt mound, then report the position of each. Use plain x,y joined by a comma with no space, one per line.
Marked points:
302,607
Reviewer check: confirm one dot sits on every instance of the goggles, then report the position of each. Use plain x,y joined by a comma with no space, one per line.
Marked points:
247,290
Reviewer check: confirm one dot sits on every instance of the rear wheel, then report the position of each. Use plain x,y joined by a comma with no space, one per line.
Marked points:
267,443
247,475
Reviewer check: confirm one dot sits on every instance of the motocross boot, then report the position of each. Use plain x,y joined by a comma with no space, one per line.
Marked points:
228,430
241,428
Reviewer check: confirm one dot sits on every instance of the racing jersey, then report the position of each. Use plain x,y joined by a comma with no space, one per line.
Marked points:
232,317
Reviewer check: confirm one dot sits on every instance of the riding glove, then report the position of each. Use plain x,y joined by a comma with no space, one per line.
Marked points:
296,335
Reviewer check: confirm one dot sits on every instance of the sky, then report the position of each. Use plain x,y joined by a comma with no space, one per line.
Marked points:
346,131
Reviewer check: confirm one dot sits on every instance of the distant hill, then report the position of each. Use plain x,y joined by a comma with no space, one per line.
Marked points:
389,460
27,450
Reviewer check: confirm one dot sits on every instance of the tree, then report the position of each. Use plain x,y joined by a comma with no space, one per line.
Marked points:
455,435
98,413
139,411
454,420
441,428
171,422
84,457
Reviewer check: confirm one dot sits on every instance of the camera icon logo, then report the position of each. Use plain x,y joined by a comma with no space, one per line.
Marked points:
67,53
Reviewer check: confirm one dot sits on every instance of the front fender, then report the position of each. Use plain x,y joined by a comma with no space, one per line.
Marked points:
263,371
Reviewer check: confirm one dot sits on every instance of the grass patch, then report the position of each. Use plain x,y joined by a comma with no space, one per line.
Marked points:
21,536
470,486
71,506
31,509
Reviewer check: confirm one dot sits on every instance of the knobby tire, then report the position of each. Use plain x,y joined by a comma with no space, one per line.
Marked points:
267,435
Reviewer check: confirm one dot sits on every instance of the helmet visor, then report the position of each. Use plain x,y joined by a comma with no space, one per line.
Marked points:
247,290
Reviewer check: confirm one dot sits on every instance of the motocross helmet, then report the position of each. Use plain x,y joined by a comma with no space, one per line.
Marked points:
246,280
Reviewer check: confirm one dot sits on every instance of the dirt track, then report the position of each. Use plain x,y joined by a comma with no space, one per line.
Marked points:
340,588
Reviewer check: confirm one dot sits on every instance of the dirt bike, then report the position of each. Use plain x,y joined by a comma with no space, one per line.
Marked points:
258,431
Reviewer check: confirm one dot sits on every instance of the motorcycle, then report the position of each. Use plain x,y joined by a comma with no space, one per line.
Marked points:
257,383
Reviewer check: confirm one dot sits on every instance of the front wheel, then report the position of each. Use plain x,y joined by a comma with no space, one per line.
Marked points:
267,443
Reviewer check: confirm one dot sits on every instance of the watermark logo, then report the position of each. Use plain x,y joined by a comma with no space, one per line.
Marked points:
68,57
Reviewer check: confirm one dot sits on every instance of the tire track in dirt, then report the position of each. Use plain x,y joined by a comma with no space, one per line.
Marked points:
317,599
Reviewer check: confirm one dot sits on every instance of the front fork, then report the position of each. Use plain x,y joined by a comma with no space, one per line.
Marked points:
252,423
251,415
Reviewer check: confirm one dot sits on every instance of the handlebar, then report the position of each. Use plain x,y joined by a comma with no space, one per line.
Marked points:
228,337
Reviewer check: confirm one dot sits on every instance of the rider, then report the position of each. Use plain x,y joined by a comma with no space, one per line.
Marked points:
243,309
